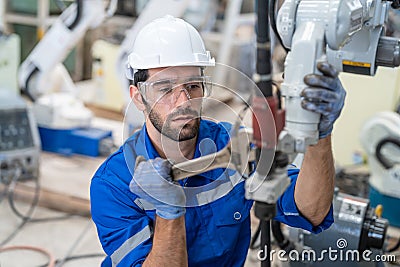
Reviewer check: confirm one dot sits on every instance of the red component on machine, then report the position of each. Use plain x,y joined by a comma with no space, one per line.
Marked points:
266,114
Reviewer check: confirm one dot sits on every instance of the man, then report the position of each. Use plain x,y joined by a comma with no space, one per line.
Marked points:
142,217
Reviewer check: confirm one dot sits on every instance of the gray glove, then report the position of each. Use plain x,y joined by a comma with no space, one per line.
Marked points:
325,95
153,183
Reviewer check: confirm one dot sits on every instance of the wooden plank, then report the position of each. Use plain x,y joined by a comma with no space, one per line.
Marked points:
52,200
105,113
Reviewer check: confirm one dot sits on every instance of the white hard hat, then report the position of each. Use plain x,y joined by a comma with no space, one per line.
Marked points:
166,42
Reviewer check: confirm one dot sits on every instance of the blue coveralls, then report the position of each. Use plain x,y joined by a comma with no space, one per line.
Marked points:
217,232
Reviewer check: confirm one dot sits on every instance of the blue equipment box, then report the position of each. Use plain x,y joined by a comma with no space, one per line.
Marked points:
85,141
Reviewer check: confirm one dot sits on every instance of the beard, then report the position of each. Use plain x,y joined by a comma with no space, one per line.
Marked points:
184,132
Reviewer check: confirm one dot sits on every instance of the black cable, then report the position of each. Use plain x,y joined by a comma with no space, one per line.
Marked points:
263,60
31,208
282,241
4,183
79,7
13,234
25,91
272,21
23,217
74,245
254,238
264,70
34,204
266,242
394,248
278,94
387,164
277,232
3,193
28,216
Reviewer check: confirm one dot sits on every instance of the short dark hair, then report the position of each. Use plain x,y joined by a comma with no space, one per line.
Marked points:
140,76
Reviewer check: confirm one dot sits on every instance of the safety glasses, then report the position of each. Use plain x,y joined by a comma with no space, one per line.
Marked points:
168,91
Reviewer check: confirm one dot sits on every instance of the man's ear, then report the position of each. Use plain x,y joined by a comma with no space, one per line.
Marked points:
137,97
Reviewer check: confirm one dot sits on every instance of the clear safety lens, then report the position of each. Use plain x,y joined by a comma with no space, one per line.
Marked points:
168,90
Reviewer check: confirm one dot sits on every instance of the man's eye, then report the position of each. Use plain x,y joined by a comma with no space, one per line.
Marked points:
165,90
193,86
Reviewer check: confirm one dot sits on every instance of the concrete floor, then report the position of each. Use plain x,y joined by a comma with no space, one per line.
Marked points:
72,236
61,238
75,235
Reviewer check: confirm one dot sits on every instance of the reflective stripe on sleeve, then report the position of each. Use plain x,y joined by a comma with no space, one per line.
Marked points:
143,204
130,245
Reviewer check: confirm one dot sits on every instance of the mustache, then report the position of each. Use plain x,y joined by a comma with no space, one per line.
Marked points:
185,111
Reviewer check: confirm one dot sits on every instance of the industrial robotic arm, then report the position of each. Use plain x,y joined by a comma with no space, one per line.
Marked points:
61,38
42,74
380,137
348,34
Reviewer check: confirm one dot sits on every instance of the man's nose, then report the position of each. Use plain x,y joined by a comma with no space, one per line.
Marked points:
182,96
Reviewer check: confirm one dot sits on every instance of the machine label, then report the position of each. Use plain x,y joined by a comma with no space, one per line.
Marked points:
352,211
356,67
356,64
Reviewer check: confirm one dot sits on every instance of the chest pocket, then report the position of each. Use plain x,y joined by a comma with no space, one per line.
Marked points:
231,219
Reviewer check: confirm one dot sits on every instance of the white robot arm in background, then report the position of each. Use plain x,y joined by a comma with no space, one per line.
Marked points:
380,137
42,73
349,34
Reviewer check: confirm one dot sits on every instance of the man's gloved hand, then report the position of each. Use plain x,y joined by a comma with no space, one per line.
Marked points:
325,95
153,183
